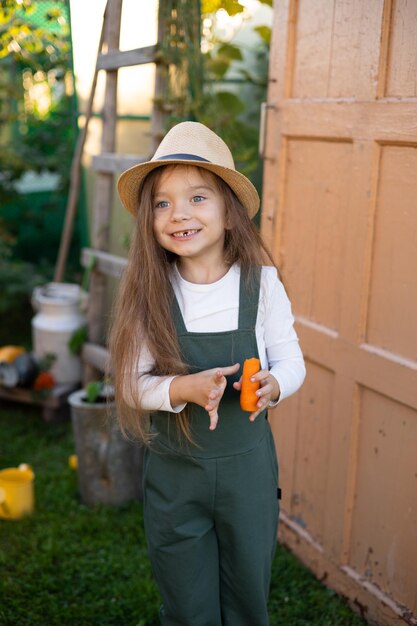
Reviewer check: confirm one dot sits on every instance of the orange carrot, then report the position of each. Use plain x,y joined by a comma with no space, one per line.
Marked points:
248,397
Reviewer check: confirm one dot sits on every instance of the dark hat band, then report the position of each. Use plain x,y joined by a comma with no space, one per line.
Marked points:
182,157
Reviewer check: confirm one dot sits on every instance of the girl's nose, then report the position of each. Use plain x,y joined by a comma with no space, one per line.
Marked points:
180,212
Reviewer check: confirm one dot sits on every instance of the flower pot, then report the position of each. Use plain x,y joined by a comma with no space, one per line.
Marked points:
109,466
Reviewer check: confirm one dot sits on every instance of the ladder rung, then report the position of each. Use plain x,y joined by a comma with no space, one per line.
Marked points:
105,263
116,59
95,355
112,163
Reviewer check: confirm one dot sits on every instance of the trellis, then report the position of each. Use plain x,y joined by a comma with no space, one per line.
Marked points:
178,30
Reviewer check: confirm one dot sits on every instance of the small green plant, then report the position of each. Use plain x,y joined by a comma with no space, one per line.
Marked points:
93,391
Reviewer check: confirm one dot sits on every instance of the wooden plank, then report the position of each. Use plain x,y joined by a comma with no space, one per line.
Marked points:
115,59
279,83
104,262
401,53
101,218
110,162
95,355
338,213
74,191
54,406
382,121
161,79
28,396
364,597
374,367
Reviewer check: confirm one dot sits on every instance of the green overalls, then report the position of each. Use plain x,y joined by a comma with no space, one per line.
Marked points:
211,510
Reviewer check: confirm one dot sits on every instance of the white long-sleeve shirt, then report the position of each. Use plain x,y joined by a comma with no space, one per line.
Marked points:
214,307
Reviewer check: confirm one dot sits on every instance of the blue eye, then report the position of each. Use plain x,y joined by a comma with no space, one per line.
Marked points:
198,198
161,205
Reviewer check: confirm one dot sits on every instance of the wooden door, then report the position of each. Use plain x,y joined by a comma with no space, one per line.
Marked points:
340,214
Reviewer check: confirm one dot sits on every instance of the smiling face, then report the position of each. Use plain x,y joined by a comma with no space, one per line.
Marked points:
189,214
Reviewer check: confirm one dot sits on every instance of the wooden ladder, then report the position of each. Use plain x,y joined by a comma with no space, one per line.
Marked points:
106,165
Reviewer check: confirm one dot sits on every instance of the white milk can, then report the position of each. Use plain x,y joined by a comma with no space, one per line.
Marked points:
60,313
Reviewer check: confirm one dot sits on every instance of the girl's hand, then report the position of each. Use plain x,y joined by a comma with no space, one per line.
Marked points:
215,382
204,388
268,392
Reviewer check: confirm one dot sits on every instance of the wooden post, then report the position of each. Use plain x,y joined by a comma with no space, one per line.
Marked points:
100,237
157,120
74,190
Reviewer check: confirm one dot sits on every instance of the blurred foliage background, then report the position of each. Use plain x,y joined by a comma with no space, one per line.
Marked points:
223,81
211,76
38,129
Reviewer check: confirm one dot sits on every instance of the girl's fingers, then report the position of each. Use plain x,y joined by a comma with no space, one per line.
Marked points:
264,391
253,416
214,398
238,385
214,418
264,399
216,393
260,375
211,407
264,395
230,369
218,377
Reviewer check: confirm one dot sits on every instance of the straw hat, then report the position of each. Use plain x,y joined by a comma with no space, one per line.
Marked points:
190,143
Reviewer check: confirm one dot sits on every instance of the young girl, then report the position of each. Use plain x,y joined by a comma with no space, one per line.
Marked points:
195,301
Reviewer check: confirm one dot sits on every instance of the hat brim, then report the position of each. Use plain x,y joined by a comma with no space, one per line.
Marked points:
131,181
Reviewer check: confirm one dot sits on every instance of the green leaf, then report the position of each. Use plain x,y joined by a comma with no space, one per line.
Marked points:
230,102
218,66
230,51
210,6
5,16
47,361
93,390
268,2
53,14
77,339
232,7
264,32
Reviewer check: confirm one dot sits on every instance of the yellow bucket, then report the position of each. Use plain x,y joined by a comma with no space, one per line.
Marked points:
16,491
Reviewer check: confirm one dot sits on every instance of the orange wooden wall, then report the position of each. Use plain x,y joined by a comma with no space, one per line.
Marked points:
340,214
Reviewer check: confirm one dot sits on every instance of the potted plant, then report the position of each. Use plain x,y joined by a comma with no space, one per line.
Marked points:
109,466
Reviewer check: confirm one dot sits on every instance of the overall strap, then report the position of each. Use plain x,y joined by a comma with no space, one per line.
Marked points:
177,315
250,284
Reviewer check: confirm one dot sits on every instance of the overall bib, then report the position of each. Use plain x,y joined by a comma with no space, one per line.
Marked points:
211,509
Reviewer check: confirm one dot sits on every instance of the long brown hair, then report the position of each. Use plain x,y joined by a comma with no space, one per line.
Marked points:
142,310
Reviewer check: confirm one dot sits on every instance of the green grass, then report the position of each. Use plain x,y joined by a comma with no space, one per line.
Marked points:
69,565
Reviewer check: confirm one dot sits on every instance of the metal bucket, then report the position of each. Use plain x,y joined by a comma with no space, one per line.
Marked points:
109,466
60,313
16,492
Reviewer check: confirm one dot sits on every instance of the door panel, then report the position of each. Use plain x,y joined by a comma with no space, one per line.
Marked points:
393,287
340,215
